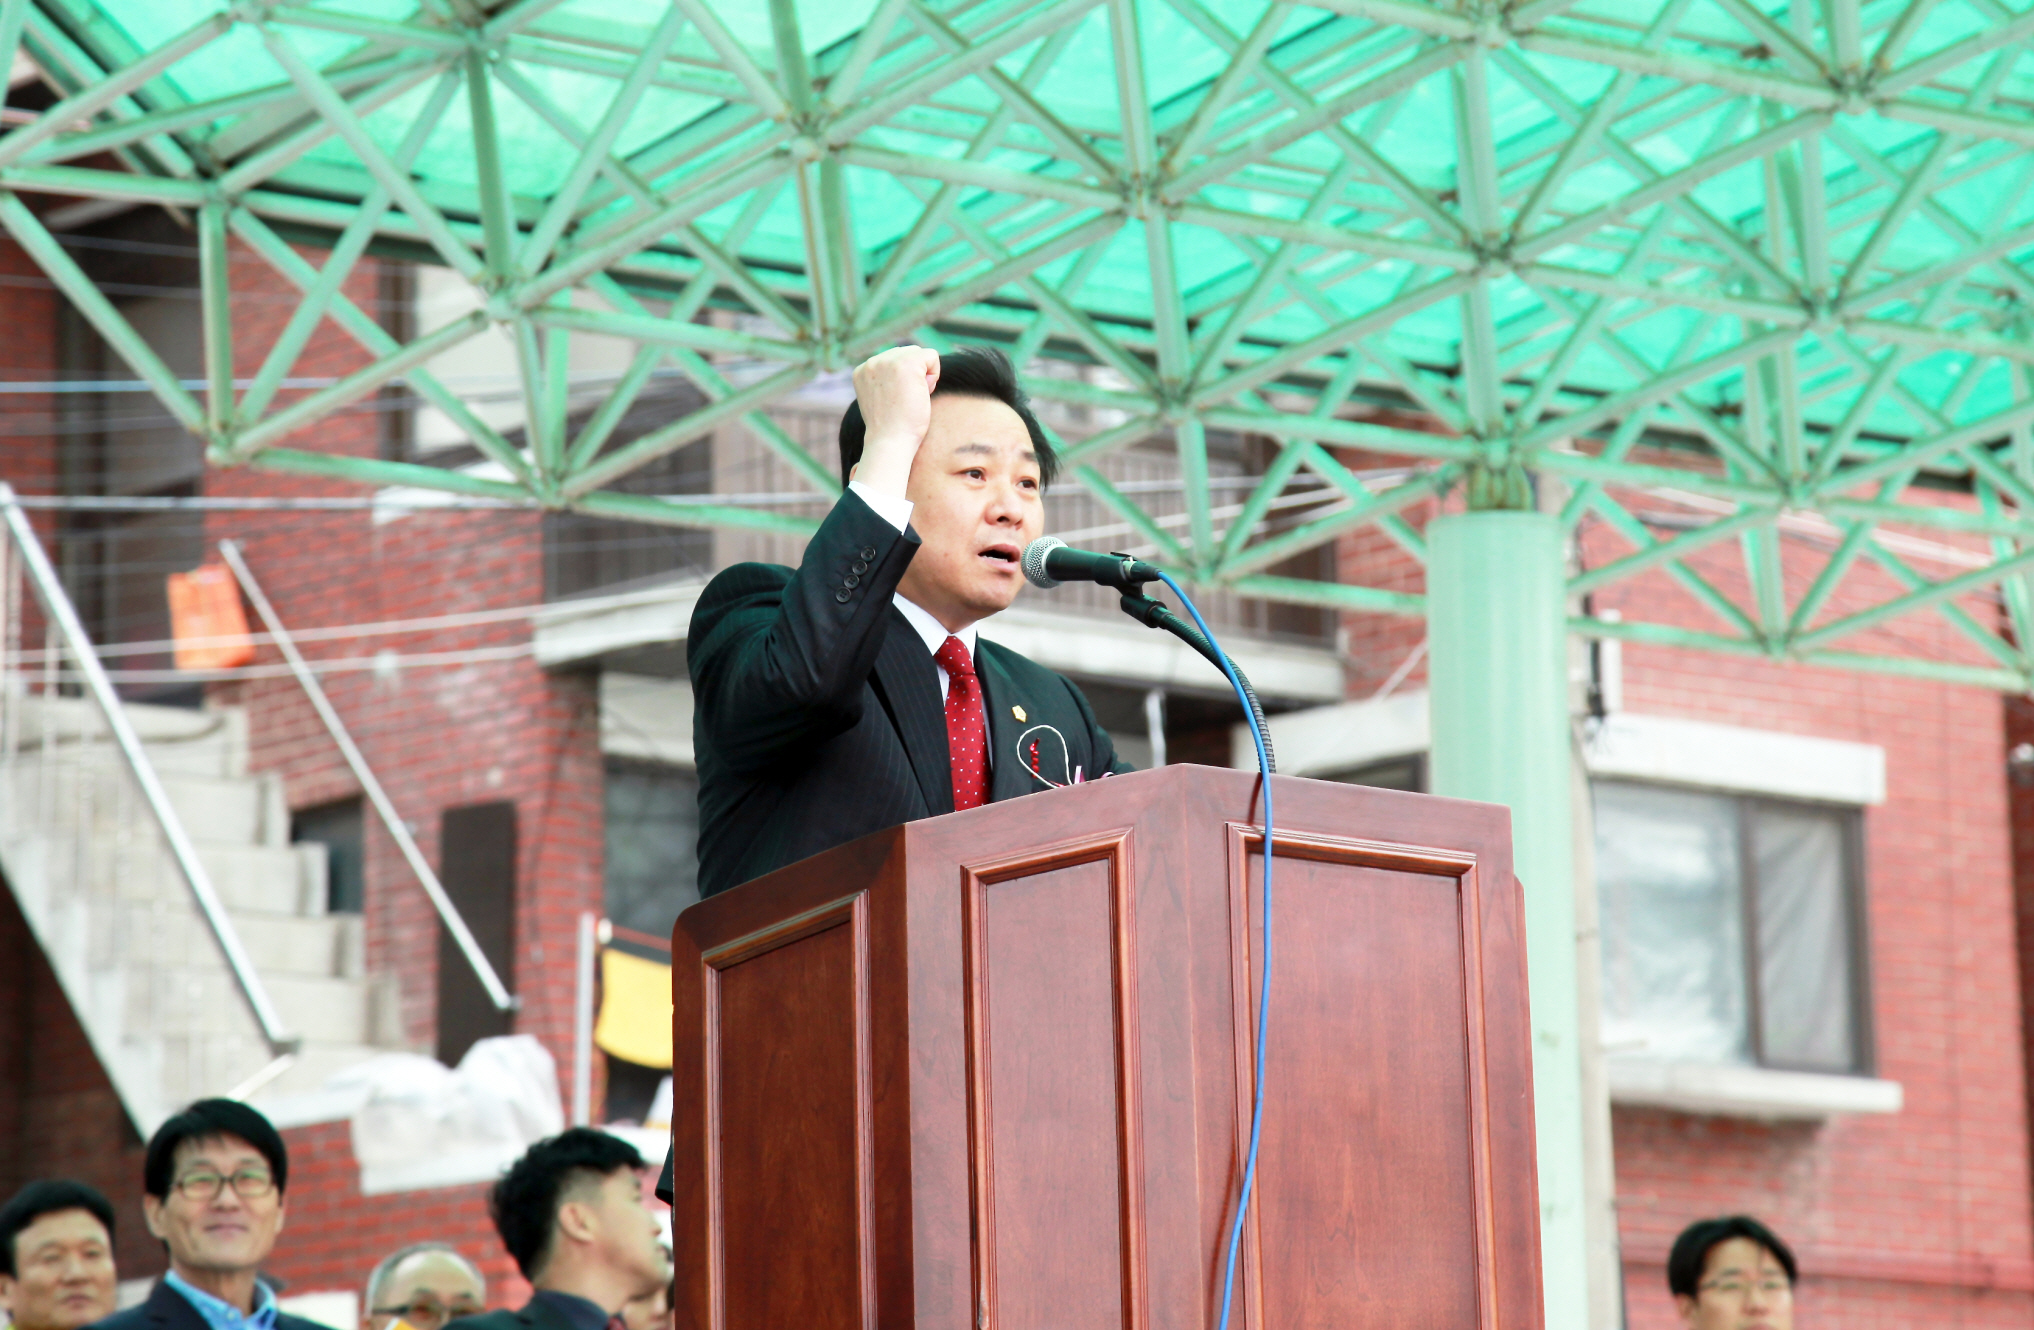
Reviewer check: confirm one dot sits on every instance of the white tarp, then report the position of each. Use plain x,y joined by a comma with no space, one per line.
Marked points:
422,1124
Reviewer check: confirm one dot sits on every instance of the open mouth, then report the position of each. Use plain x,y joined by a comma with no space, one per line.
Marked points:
1001,553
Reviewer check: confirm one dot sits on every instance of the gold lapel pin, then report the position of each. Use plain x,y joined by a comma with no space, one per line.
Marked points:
1018,712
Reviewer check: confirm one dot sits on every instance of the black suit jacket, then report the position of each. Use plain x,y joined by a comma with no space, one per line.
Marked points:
536,1314
817,714
167,1309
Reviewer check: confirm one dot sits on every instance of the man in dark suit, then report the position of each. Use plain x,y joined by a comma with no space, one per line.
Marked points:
852,694
571,1213
213,1185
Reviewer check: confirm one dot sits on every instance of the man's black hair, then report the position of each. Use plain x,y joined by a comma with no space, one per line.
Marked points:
525,1202
48,1197
1691,1250
967,371
205,1119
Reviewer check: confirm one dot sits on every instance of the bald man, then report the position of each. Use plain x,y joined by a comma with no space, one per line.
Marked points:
424,1286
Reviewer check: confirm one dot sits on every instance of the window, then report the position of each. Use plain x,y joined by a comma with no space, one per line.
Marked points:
652,844
1731,929
340,827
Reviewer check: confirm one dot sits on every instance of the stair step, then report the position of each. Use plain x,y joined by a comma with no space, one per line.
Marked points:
327,946
245,810
333,1011
211,742
265,879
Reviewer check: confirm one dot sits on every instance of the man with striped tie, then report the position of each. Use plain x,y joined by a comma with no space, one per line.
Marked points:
852,693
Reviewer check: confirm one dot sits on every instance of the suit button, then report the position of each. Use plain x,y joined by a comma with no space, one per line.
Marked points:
858,567
843,596
868,551
851,581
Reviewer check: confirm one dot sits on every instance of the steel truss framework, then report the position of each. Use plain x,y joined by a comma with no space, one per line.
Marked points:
1770,253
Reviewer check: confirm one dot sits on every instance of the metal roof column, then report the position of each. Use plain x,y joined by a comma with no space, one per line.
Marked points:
1496,616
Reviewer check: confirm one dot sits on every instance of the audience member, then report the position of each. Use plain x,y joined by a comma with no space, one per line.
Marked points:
423,1285
212,1189
652,1311
572,1214
1732,1273
56,1257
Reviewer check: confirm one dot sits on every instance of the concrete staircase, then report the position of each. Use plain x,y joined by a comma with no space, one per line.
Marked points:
95,879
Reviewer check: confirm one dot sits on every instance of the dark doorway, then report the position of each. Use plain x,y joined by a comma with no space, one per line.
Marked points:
477,863
340,827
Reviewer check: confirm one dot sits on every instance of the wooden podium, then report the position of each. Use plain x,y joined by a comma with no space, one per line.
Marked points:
991,1071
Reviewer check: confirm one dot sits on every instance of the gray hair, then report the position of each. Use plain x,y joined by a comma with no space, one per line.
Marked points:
387,1267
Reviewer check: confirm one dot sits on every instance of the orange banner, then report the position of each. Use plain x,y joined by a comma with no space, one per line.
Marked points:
207,619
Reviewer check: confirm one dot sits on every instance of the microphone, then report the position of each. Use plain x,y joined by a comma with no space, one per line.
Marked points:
1049,561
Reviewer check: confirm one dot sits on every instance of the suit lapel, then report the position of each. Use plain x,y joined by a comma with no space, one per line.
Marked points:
167,1307
1009,770
909,684
539,1314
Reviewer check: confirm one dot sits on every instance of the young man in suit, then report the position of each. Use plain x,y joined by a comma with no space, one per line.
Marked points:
212,1189
571,1213
851,694
56,1256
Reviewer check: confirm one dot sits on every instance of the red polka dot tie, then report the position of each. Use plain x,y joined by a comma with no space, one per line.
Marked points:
967,740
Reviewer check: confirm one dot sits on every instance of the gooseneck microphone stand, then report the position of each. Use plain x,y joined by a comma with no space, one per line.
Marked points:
1155,614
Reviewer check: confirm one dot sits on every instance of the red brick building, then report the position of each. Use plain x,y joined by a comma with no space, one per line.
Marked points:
489,658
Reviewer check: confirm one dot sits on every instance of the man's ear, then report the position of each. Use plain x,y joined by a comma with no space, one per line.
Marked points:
7,1287
151,1210
576,1221
282,1211
1687,1307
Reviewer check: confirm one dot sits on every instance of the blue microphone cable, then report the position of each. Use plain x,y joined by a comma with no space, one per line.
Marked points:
1262,742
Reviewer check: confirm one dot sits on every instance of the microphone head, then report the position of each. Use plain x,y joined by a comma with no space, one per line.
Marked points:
1034,561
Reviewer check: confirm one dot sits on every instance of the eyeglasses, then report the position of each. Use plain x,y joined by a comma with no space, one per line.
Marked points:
1732,1284
429,1313
247,1183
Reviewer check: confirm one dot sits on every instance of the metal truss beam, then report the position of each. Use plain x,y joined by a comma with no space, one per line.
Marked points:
1784,287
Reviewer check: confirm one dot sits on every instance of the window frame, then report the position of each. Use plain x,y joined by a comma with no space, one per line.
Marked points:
1856,901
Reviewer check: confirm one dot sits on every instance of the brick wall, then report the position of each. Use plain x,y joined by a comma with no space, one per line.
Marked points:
436,736
1920,1219
334,1236
59,1114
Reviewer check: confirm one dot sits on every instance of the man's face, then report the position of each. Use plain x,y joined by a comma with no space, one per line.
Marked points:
1742,1288
63,1273
426,1290
206,1219
626,1236
978,503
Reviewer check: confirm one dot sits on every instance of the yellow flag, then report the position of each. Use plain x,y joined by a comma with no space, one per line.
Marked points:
635,1009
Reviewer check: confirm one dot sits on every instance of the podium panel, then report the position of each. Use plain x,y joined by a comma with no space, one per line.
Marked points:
994,1070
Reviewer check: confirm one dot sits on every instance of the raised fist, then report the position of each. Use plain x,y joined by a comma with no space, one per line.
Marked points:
894,389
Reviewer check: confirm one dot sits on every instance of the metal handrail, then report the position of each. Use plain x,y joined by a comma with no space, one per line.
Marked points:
50,591
455,924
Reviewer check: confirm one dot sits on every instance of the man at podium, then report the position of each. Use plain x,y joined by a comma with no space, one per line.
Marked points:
852,693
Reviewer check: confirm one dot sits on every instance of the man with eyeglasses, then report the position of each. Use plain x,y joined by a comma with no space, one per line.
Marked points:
423,1285
212,1189
1732,1273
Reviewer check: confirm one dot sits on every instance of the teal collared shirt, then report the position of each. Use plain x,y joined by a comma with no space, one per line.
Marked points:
220,1314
